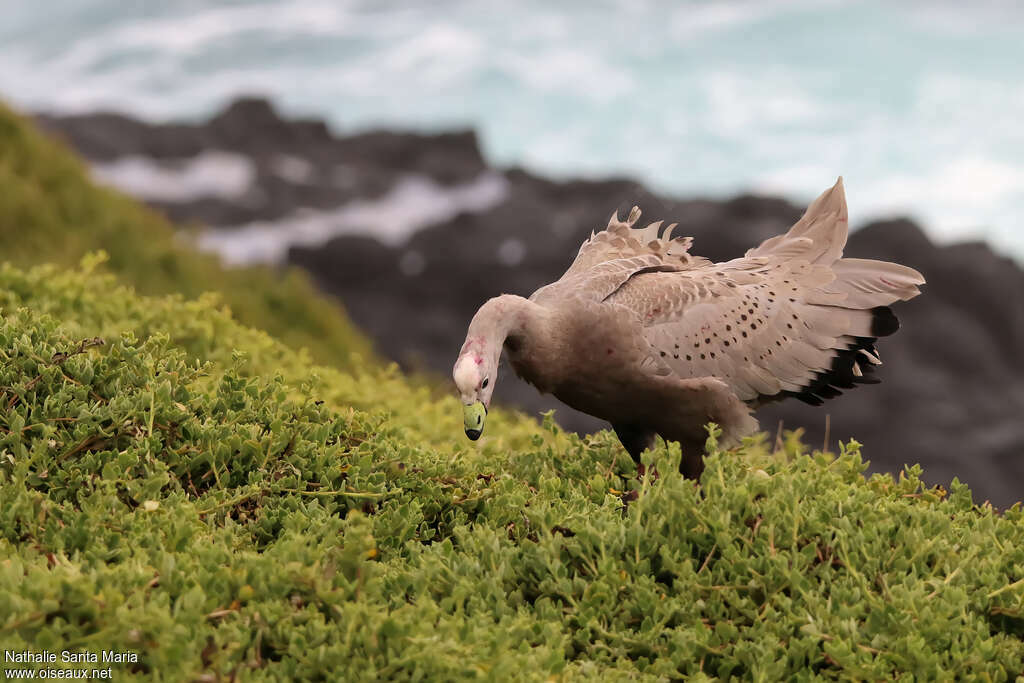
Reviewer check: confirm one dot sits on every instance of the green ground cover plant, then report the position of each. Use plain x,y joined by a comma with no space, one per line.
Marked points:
181,486
50,212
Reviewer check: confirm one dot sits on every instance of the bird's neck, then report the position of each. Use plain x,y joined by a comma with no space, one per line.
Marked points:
505,318
529,332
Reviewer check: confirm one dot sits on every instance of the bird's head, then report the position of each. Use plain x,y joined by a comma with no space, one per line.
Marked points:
475,375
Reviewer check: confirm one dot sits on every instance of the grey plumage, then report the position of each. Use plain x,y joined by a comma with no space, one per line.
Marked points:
658,341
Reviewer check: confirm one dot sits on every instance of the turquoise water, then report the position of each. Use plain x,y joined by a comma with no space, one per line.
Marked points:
919,106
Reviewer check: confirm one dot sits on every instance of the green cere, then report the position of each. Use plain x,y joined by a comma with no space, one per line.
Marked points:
473,417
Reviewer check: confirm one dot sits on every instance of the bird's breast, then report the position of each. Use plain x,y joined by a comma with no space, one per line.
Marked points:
529,364
587,358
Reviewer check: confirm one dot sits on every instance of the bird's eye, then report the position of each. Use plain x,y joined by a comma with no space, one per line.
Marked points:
487,380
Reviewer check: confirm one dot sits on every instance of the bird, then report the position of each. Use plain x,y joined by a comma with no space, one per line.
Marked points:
657,341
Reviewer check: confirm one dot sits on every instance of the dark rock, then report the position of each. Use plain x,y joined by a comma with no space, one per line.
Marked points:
251,125
334,170
105,136
448,158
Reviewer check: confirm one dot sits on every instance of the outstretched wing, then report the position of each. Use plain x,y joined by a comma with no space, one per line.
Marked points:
609,258
790,318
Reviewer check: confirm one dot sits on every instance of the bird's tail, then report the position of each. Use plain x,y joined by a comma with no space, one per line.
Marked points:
820,236
851,302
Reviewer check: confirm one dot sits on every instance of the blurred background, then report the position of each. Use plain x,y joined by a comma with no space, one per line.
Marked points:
418,158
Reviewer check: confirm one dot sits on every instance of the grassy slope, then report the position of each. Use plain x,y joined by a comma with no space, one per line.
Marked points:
192,491
50,212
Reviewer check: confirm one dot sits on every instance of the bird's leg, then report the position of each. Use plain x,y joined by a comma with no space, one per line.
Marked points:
635,440
692,464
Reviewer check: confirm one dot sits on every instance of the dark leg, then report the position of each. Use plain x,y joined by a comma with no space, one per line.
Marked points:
692,465
635,440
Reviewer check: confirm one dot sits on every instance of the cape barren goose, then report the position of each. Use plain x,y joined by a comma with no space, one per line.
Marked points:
643,334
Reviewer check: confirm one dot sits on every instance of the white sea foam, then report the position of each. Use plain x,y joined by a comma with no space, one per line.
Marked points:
511,252
209,174
293,169
414,203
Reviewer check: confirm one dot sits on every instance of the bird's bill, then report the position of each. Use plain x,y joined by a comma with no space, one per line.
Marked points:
474,415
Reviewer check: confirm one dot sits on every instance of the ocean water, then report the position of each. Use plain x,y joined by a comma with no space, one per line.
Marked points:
918,105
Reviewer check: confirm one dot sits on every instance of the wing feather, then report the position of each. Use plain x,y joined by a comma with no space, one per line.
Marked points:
611,257
621,240
792,317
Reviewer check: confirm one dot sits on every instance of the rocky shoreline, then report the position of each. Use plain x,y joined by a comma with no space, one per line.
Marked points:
952,395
